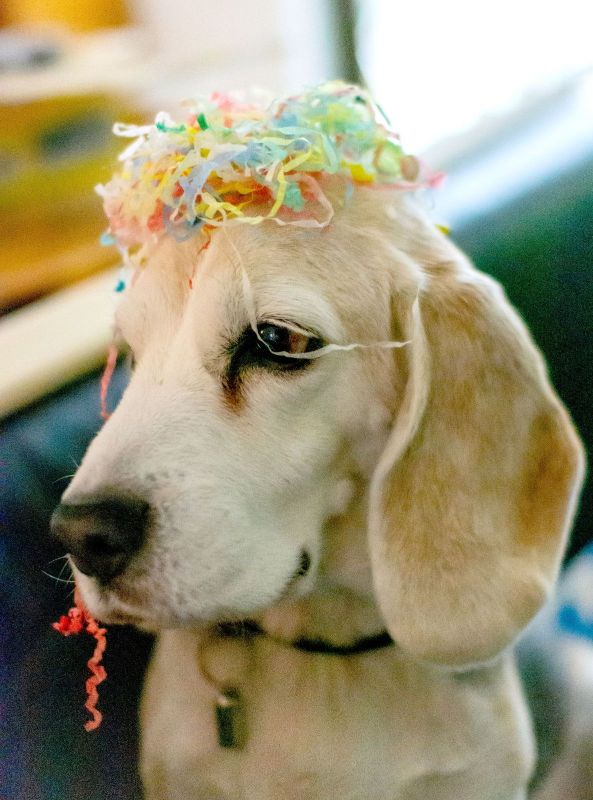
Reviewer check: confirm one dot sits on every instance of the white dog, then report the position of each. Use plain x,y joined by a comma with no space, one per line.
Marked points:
426,488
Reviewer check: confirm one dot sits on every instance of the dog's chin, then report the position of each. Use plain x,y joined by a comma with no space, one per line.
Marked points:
116,606
133,602
112,607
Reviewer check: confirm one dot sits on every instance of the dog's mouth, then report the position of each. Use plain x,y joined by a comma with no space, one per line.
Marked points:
129,601
302,569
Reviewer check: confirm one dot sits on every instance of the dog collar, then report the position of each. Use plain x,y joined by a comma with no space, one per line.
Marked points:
250,628
229,711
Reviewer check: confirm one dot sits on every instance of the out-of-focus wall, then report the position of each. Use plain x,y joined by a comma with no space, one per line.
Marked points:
68,70
271,43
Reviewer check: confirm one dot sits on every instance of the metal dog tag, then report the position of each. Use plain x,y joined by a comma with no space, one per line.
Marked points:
230,721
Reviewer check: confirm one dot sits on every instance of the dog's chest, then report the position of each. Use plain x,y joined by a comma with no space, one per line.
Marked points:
314,728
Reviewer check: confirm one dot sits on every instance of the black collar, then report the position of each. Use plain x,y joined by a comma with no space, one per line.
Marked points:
248,628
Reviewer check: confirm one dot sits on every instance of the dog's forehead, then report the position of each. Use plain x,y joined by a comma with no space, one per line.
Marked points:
325,279
263,273
156,293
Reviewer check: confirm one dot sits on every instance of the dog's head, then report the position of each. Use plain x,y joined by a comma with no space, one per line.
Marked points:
208,492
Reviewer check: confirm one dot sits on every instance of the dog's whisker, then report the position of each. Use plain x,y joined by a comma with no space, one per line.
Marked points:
63,558
65,566
64,477
57,579
59,558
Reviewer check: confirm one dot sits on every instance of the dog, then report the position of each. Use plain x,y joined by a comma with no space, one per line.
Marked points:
337,552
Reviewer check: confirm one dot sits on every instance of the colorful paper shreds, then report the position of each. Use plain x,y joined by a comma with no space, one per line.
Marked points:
76,621
233,161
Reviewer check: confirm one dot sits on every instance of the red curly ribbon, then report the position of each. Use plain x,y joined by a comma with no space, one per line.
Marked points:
77,620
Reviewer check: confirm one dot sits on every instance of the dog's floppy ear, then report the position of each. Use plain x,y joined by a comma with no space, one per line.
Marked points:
475,491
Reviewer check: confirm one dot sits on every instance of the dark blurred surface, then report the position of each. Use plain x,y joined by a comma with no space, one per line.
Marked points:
45,751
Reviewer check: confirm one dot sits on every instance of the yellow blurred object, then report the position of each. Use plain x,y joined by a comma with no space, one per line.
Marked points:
75,15
52,154
53,149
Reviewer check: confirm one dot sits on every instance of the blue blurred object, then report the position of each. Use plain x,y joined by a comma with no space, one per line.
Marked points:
520,156
575,609
20,51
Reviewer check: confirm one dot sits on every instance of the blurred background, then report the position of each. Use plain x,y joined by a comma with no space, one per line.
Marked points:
500,96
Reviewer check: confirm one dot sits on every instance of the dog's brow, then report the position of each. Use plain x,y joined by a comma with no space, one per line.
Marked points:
294,304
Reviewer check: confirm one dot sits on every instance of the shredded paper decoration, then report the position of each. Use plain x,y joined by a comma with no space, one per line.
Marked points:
231,161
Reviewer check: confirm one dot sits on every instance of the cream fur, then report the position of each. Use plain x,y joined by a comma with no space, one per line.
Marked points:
453,452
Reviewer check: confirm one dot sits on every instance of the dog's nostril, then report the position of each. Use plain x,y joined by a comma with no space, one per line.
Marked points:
101,536
305,563
100,545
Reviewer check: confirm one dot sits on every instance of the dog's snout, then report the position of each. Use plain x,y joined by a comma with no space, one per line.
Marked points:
103,535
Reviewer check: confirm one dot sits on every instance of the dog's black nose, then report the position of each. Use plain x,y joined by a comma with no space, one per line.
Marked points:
101,536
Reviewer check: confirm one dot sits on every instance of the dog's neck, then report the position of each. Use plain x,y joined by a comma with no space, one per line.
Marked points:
338,617
341,608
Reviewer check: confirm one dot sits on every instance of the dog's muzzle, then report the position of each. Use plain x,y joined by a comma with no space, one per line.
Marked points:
101,535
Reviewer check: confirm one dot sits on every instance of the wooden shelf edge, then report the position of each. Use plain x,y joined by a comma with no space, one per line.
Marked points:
55,340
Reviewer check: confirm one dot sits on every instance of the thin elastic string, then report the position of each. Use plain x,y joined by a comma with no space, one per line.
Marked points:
106,378
322,351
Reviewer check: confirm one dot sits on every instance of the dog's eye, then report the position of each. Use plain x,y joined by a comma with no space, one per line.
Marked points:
278,339
267,350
